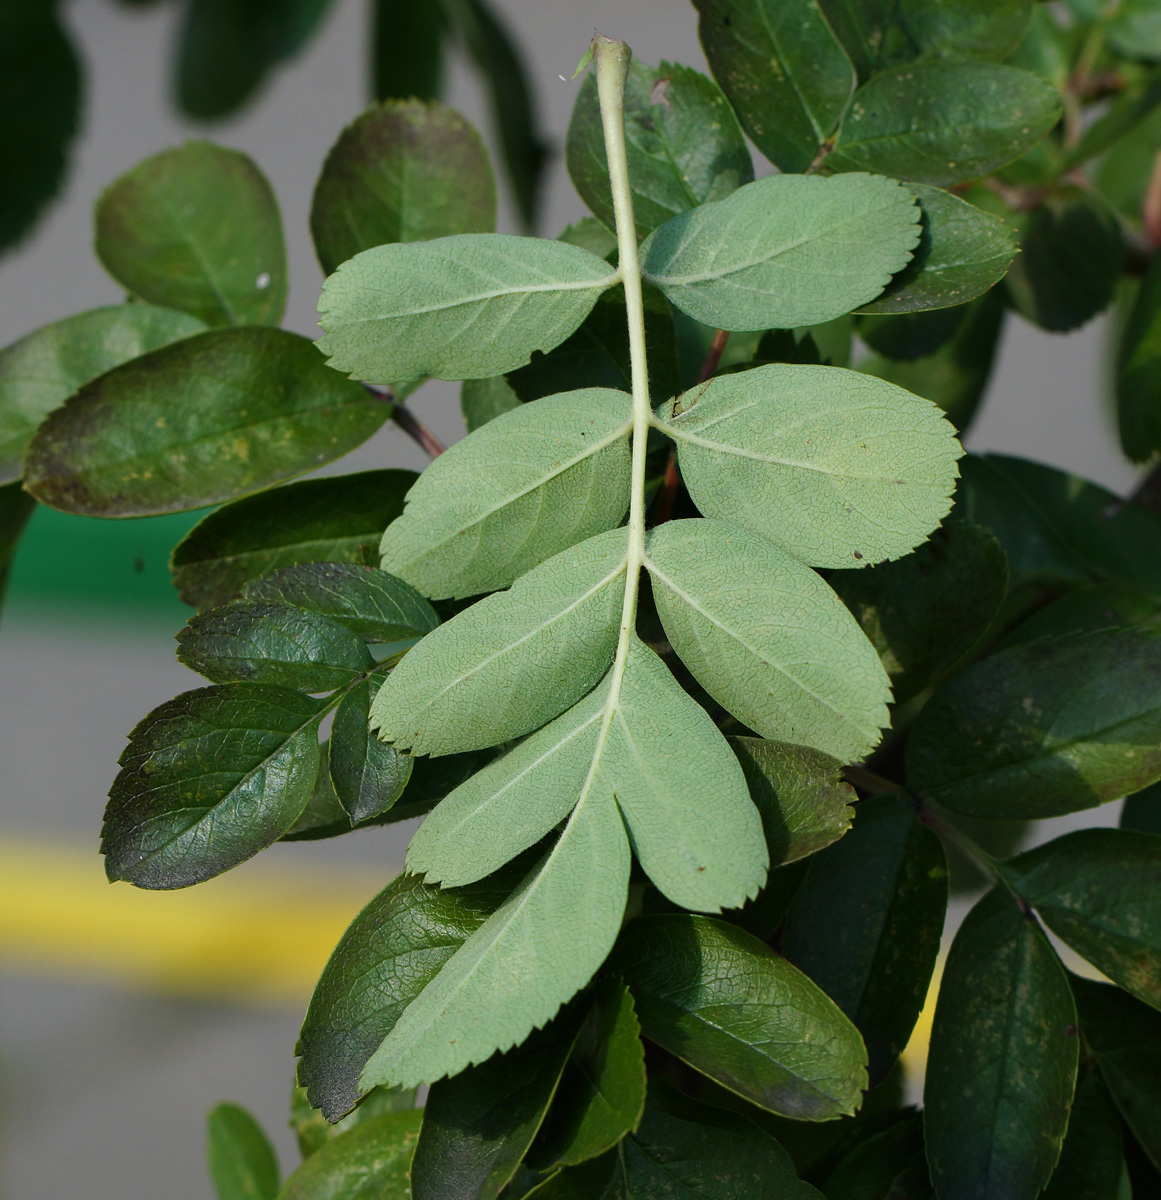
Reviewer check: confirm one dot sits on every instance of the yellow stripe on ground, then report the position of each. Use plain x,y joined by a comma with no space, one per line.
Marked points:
258,934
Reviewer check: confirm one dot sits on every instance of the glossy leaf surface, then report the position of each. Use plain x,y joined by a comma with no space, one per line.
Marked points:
866,922
403,171
368,775
197,228
339,519
402,311
684,145
530,484
944,123
784,71
242,1162
258,406
535,952
1096,889
390,951
767,638
785,251
1043,729
925,612
512,661
207,780
840,469
1003,1058
40,371
729,1006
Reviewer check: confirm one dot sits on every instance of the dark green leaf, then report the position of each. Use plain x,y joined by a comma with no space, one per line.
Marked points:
866,922
40,95
274,644
368,775
729,1006
987,29
204,420
890,1165
962,252
906,337
1124,116
590,234
1097,890
407,49
1139,370
391,950
597,355
602,1091
207,780
1086,608
478,1124
1046,728
323,816
1071,256
371,1162
1142,811
313,1130
1047,48
242,1162
944,123
925,612
684,145
784,72
955,376
197,228
404,171
493,50
319,520
861,26
373,605
763,916
1057,528
16,507
482,400
1003,1058
800,794
1092,1162
1135,29
1124,1037
40,372
227,47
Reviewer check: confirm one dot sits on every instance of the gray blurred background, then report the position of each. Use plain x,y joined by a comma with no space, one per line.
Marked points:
105,1070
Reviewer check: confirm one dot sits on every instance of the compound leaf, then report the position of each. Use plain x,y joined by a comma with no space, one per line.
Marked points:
784,71
1002,1064
925,612
1096,889
729,1006
944,122
1045,728
785,251
514,660
241,1160
207,780
404,171
602,1092
368,775
463,307
866,921
339,519
257,407
533,954
526,486
370,1161
274,644
683,141
478,1124
800,795
962,252
693,827
373,605
390,952
840,469
43,369
197,228
766,637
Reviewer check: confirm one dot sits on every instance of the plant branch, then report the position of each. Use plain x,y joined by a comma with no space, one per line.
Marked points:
408,421
956,837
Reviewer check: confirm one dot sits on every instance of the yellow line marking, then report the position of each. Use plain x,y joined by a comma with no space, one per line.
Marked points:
259,934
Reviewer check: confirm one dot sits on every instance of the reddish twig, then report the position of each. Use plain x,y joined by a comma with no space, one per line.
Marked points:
408,422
